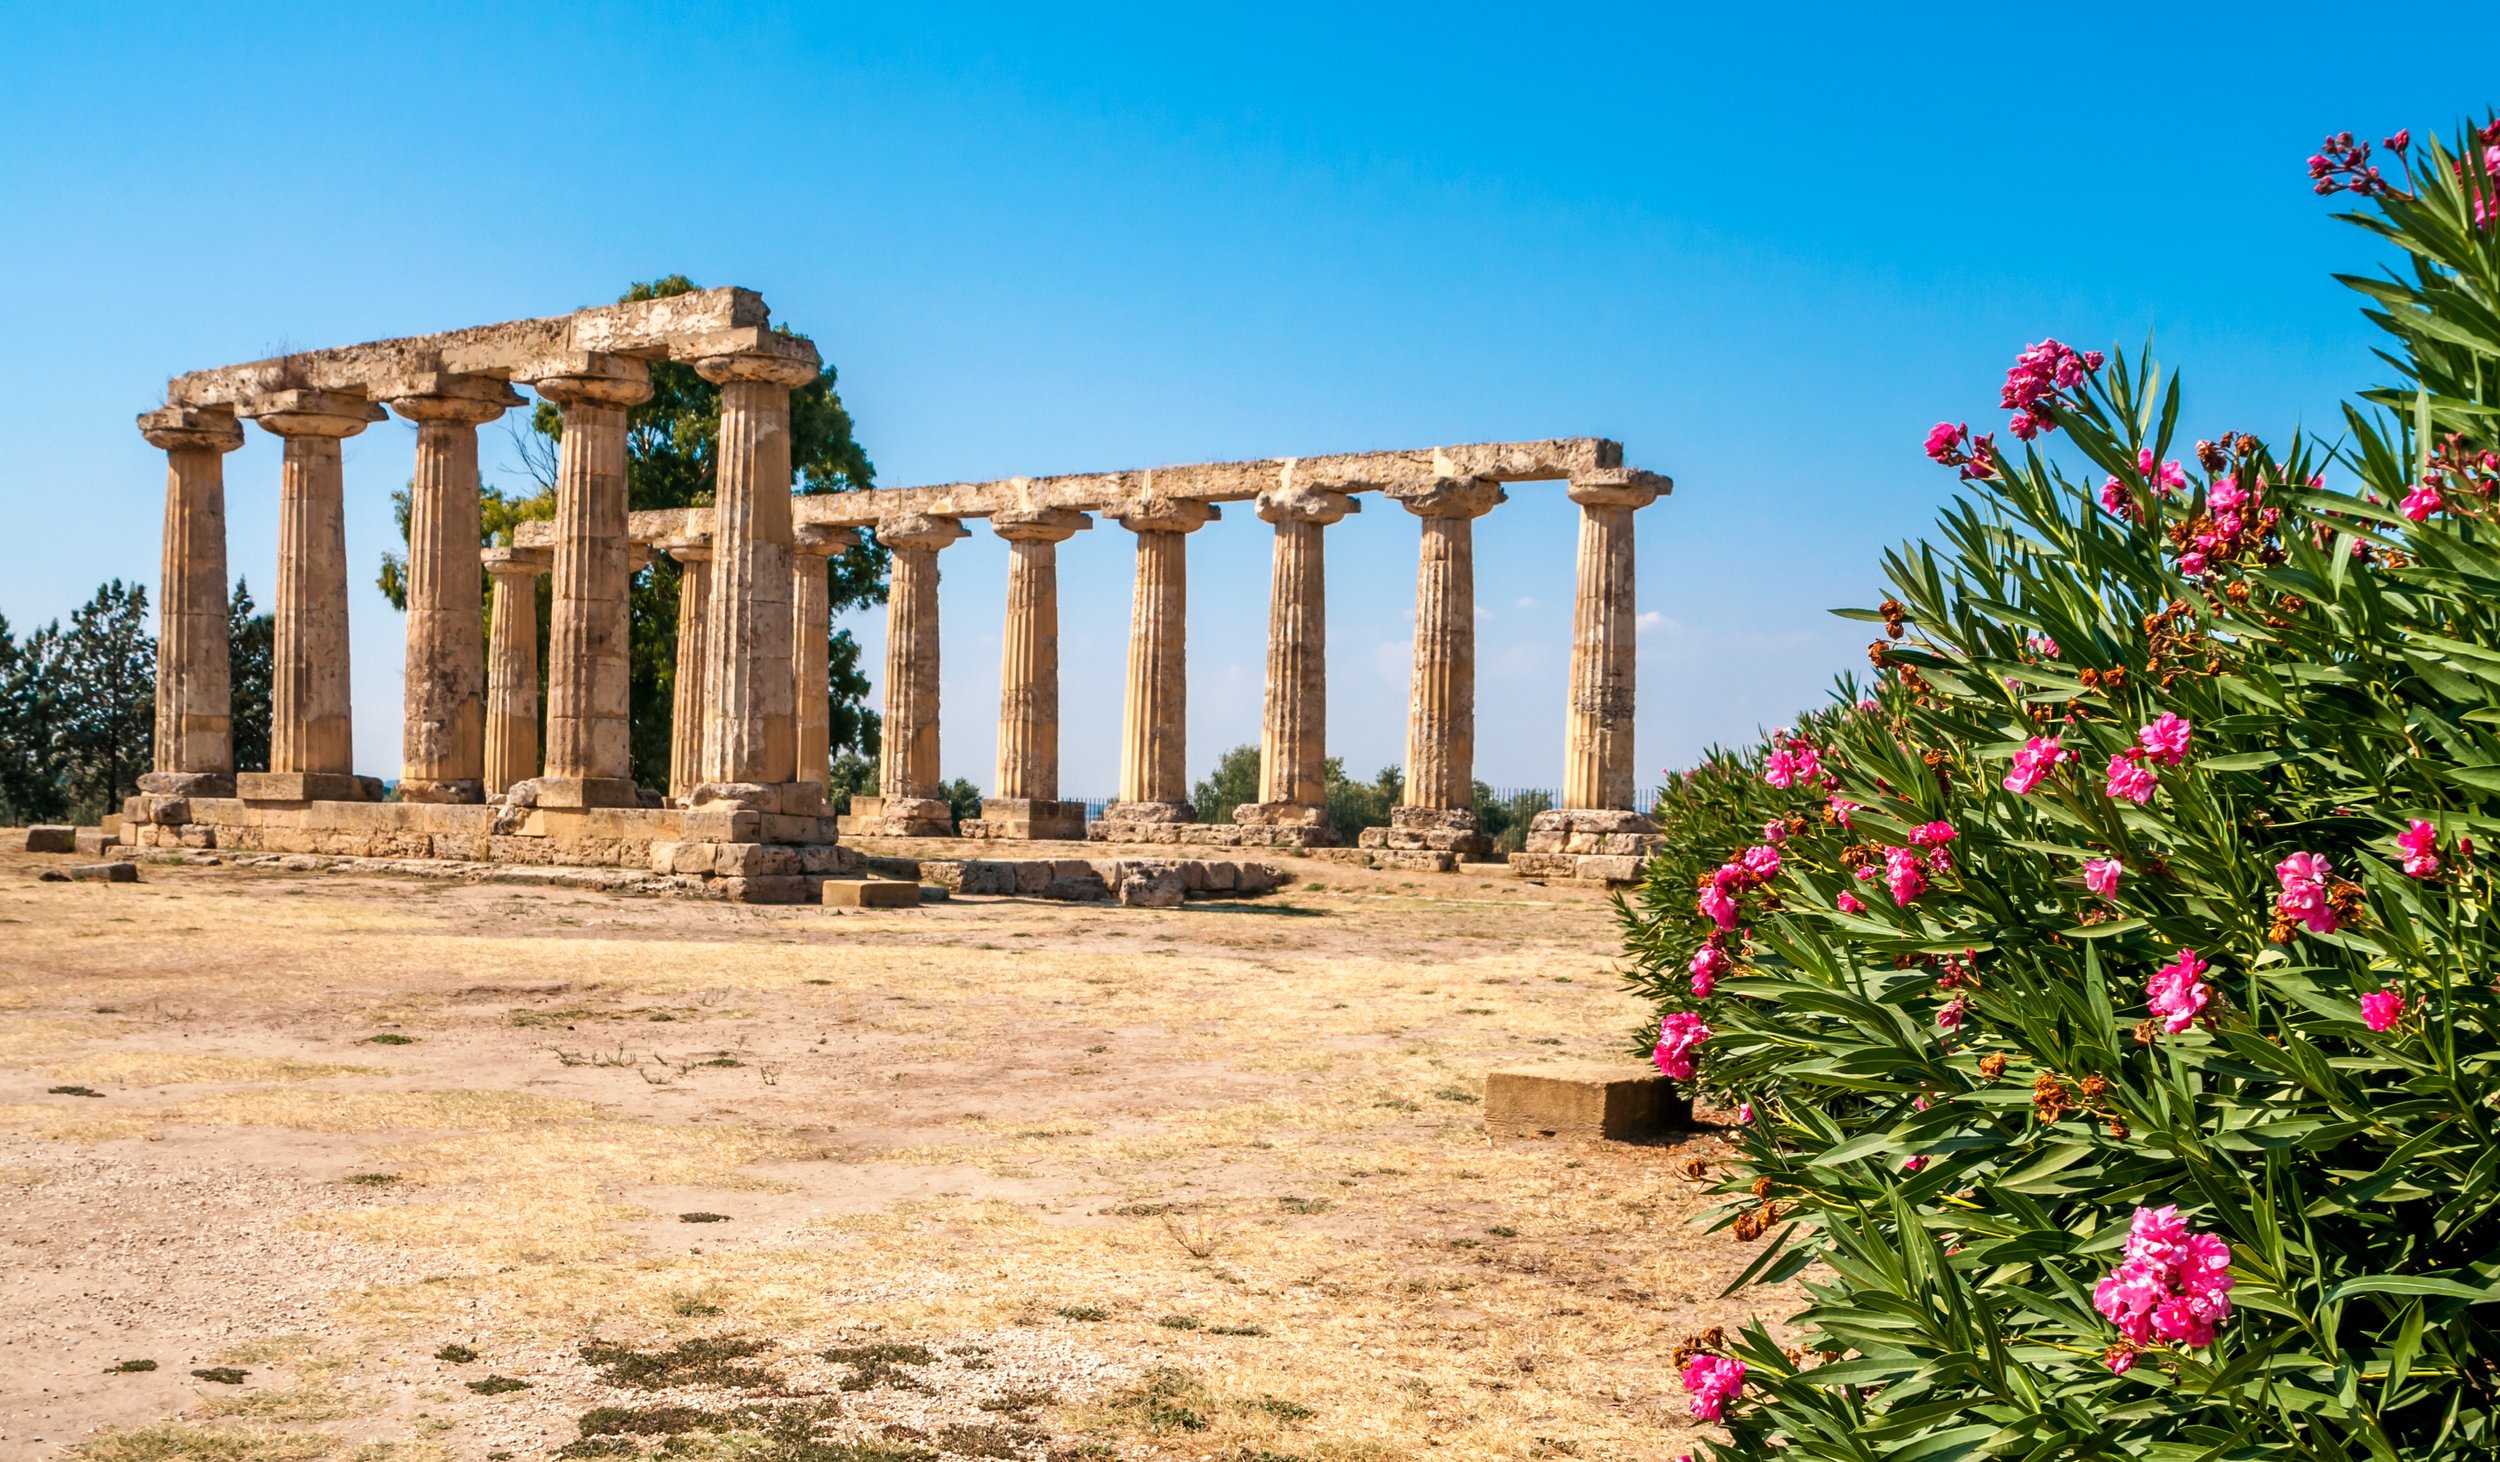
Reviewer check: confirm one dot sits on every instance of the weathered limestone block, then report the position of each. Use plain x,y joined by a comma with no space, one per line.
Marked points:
870,893
898,817
831,860
1163,890
1554,831
765,888
51,838
1026,818
1583,1101
1577,868
754,860
93,873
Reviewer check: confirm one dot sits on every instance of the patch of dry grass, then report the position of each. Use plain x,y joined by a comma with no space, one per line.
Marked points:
205,1444
181,1068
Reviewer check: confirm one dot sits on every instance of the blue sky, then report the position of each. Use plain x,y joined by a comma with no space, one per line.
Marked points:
1763,246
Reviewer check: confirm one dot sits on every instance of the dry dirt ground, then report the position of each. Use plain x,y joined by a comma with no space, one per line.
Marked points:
396,1168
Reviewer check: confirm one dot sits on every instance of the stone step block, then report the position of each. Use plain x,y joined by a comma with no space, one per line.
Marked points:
51,838
870,893
1583,1101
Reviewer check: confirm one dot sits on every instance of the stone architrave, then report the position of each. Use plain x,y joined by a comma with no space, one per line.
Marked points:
311,716
512,666
194,687
750,750
443,735
1154,724
1293,739
812,550
693,553
1439,806
589,751
1027,803
908,801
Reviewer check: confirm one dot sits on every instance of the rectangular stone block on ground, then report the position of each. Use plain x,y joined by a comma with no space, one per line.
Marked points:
51,838
1583,1101
870,893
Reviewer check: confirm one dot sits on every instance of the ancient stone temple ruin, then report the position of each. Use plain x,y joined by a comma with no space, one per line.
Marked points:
745,806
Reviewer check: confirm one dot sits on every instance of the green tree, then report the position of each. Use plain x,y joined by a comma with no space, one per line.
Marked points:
962,798
1505,819
1233,781
251,666
1353,806
672,444
30,770
106,726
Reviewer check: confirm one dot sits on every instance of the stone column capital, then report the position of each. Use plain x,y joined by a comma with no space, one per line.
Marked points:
310,413
815,540
920,531
448,396
753,353
191,428
516,562
1039,525
1450,497
1619,487
1319,505
687,547
587,378
1163,515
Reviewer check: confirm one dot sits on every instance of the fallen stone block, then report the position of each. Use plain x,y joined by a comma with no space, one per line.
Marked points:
51,838
1583,1101
870,893
95,873
1152,891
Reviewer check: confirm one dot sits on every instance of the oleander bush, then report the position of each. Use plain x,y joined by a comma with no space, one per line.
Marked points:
2106,999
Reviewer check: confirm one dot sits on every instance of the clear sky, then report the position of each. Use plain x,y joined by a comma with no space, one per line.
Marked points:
1764,246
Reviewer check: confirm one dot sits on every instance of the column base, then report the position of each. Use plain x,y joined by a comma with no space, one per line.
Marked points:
575,792
463,790
1149,812
1309,826
1451,830
1026,818
788,799
899,817
306,787
1606,831
187,784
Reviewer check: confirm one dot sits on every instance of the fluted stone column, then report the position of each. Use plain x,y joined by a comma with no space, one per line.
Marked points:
1154,725
1598,768
512,666
194,689
443,735
1438,814
589,760
749,740
311,721
908,783
812,549
1027,803
1293,738
686,697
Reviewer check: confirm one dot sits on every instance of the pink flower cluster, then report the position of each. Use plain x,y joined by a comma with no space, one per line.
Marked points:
1906,870
1757,865
2304,878
1849,903
1714,1381
2165,739
1840,808
2421,502
2101,876
1950,444
2129,778
1709,962
2032,765
1680,1034
2381,1009
1949,1015
2343,165
2177,992
1795,763
2164,479
2038,374
2420,845
2172,1284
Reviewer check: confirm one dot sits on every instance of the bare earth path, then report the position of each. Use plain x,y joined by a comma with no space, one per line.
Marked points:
1045,1180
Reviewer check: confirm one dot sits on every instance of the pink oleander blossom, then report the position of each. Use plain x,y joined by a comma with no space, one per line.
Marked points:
1849,903
2420,503
1709,962
2381,1009
1840,808
1775,831
1744,1113
2032,765
1762,862
1933,834
2037,376
2115,498
2176,992
1943,439
2130,779
2166,479
1796,764
2101,876
2420,845
1714,1381
1904,875
2165,738
2304,878
1718,906
2170,1284
1949,1015
1680,1034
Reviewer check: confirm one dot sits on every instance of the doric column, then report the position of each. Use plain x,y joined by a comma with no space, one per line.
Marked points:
1026,804
589,634
1154,724
311,722
1293,739
811,627
194,691
909,781
1598,769
749,742
512,667
686,696
443,735
1441,711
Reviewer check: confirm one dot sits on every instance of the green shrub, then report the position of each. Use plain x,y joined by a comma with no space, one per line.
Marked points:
2066,966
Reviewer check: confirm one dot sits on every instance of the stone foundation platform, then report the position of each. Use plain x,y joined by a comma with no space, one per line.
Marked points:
1213,834
1026,819
753,857
1586,847
1389,860
1451,830
1157,883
